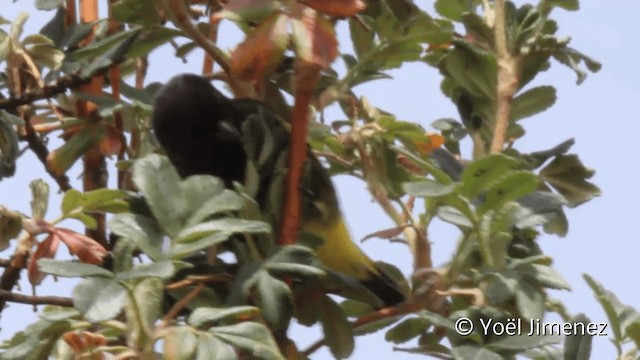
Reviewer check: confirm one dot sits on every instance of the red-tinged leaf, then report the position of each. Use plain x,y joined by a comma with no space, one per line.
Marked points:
247,10
387,234
85,248
46,249
314,38
61,159
337,8
262,50
112,142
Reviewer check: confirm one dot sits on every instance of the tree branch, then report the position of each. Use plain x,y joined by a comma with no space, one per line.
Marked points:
307,78
35,300
508,78
63,84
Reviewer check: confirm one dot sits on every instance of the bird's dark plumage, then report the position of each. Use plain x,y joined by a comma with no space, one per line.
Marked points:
204,132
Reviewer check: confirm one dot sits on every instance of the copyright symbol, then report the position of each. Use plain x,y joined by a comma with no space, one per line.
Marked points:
464,326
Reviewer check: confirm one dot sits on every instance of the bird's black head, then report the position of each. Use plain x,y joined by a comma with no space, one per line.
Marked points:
189,97
195,125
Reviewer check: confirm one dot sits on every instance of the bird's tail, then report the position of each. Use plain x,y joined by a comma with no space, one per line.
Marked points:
341,254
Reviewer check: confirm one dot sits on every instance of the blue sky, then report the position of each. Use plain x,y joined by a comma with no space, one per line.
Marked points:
599,114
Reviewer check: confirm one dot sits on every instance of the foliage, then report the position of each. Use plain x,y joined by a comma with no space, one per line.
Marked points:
192,269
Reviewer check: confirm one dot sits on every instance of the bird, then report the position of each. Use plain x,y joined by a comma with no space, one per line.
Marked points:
203,132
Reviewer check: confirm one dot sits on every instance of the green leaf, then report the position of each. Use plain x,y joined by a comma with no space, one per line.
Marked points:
523,342
148,296
572,58
477,27
501,286
72,269
100,47
295,270
101,200
8,144
544,275
618,314
476,72
453,214
36,341
428,188
141,12
99,299
10,226
509,188
181,250
163,270
361,37
48,4
199,190
453,9
113,55
105,200
180,343
227,225
78,32
208,316
530,301
61,159
140,230
549,205
61,314
568,176
275,301
46,55
578,346
540,157
481,174
39,198
532,101
571,5
294,260
159,182
71,201
337,330
474,352
407,330
226,201
210,348
253,338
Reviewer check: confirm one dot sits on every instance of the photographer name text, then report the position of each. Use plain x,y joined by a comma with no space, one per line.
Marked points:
535,327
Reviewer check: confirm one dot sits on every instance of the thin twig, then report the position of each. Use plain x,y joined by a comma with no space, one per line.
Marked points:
35,300
175,310
42,152
207,66
420,247
196,280
177,11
